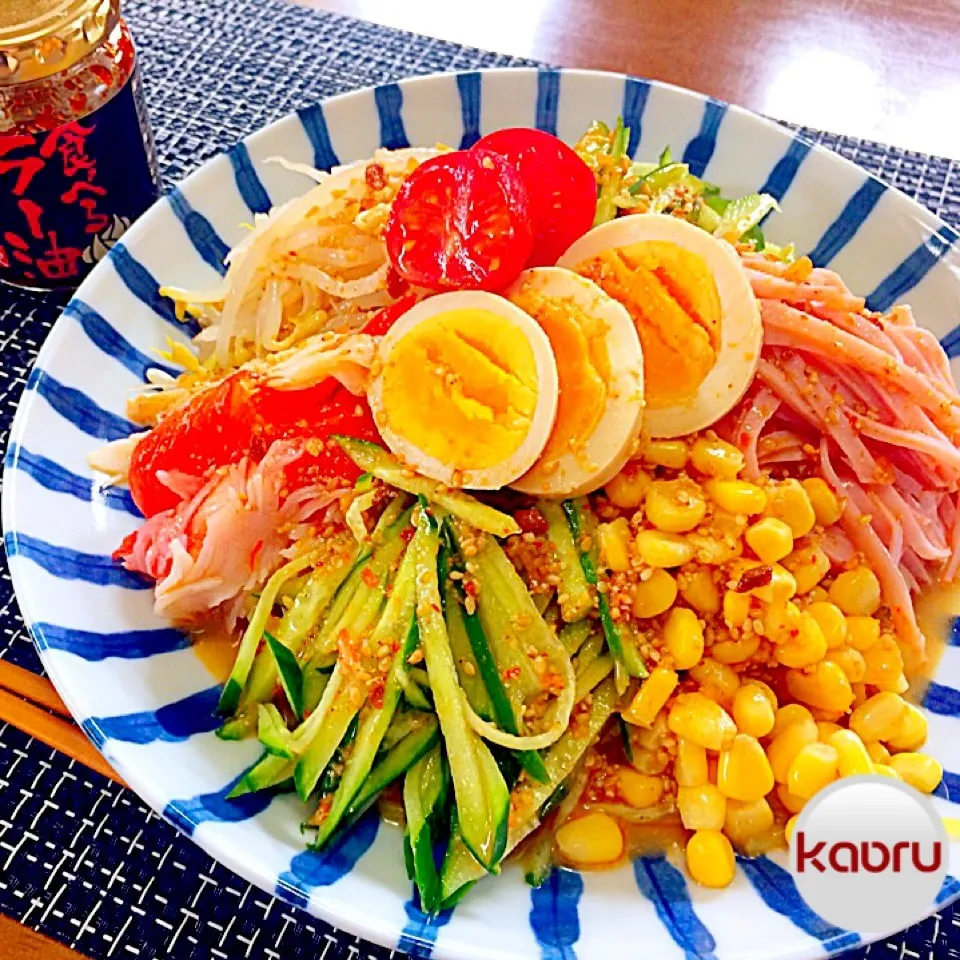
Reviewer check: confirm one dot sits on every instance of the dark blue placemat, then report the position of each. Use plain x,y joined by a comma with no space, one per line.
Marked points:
81,859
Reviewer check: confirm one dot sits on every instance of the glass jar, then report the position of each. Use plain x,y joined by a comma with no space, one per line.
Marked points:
77,161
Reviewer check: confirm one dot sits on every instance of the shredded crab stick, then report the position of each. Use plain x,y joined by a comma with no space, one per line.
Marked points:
870,402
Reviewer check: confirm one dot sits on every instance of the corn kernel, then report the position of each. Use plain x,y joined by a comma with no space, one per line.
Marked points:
898,684
651,697
736,608
922,772
790,826
752,711
675,506
716,458
853,759
640,790
659,549
786,745
788,501
790,801
737,496
885,770
701,808
717,677
747,819
743,770
766,690
672,454
824,501
710,859
700,719
793,713
690,766
850,661
809,565
698,588
912,730
683,637
614,538
736,651
770,539
628,488
826,729
879,717
832,622
804,649
781,621
812,769
878,752
856,592
713,548
591,839
782,586
826,687
862,632
884,663
655,595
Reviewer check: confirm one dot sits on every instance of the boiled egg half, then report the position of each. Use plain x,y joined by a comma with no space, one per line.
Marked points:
465,389
692,306
600,370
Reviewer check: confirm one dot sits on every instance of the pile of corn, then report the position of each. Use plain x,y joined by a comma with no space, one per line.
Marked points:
772,674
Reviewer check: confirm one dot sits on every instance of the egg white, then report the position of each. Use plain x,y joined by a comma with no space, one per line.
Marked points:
519,462
607,449
741,333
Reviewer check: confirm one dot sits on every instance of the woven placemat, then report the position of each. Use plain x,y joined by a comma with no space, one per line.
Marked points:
81,859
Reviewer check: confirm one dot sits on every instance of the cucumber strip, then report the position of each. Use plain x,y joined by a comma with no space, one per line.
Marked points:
233,688
332,774
402,725
599,669
308,606
537,860
272,731
268,771
482,797
424,794
396,761
582,525
459,867
315,681
374,459
240,726
411,690
500,706
588,653
574,594
395,622
468,670
291,679
574,635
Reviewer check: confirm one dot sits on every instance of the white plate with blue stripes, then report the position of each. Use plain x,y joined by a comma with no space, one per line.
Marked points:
146,700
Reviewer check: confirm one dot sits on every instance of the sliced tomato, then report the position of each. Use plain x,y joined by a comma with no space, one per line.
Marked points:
561,187
461,221
240,417
384,319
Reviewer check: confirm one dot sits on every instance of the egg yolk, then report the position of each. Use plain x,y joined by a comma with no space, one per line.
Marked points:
462,387
583,369
671,295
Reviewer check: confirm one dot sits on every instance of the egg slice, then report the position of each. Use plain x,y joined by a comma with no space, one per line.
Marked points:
465,389
600,369
694,310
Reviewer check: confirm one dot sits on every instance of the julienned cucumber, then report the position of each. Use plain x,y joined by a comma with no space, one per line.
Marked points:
575,595
383,465
482,797
424,798
460,868
583,527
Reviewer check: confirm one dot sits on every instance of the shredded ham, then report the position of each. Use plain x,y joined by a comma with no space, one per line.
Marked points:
868,402
227,536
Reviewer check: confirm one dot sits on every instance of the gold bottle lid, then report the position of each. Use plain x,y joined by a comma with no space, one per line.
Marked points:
39,38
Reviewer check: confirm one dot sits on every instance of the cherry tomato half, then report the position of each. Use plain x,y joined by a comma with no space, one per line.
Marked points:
461,221
561,187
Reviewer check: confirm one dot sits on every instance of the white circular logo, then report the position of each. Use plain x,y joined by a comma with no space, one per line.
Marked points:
869,854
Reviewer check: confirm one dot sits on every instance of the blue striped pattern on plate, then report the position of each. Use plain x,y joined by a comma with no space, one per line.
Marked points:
115,661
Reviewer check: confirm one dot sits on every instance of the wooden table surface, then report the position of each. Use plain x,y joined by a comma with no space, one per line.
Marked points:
882,69
887,70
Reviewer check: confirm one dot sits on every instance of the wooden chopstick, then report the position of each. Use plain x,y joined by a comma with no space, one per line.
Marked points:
31,704
31,687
